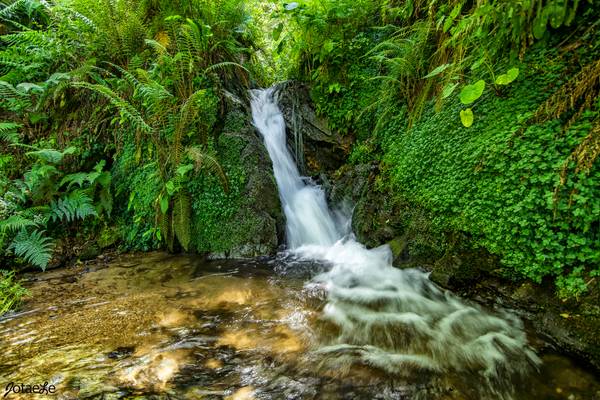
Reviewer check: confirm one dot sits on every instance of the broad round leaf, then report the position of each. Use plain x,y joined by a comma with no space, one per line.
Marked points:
466,117
470,93
508,77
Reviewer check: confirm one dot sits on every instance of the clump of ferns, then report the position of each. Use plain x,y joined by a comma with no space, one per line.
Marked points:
45,199
165,108
435,45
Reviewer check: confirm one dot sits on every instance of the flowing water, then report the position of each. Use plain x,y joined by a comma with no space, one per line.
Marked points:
327,319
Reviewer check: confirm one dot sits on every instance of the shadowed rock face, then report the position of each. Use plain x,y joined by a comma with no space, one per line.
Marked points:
315,147
259,221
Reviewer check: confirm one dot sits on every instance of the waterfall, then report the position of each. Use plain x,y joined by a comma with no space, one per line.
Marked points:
309,220
392,319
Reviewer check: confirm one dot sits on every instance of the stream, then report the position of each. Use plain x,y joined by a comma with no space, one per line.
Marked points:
162,326
325,319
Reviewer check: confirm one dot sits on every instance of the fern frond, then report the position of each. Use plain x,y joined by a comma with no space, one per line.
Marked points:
74,179
125,108
165,226
203,160
34,247
77,205
189,109
49,155
182,211
8,132
28,38
129,77
10,10
156,46
8,91
223,65
16,223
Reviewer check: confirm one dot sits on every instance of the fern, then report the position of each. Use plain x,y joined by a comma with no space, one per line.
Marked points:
52,156
164,224
223,65
34,247
77,205
16,223
203,160
8,132
10,10
182,212
127,109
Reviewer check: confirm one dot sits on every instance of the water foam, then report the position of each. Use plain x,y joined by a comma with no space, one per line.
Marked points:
387,318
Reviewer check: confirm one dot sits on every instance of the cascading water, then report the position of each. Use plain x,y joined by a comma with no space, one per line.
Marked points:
391,319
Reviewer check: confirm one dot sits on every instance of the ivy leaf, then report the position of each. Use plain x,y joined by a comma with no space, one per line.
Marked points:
508,77
437,71
170,186
184,169
470,93
466,117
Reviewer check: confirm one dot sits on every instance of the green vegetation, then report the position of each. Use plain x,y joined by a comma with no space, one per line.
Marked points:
485,115
110,117
116,124
11,291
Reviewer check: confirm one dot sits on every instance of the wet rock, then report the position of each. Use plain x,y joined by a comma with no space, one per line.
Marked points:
120,353
256,228
315,147
88,251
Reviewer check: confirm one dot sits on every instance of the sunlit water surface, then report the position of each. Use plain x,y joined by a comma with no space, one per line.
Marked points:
176,327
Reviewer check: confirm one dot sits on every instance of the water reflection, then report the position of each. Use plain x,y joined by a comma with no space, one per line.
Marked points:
175,327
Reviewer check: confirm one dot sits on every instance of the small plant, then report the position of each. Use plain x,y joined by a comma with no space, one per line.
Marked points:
46,198
11,291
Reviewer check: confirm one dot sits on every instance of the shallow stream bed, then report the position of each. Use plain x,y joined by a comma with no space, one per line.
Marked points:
161,326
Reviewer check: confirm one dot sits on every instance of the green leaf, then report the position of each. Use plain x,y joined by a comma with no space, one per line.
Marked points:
470,93
277,31
184,169
181,219
170,185
34,247
466,117
164,204
448,89
49,155
507,78
539,25
437,71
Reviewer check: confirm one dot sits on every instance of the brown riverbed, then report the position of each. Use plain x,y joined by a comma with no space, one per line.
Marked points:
160,326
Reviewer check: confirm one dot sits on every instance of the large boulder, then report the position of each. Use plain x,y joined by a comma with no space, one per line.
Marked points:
248,222
316,148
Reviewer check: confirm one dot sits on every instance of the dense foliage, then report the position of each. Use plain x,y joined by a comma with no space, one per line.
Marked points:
484,114
115,128
123,99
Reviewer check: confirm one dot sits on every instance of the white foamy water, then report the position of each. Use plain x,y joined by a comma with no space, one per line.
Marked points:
391,319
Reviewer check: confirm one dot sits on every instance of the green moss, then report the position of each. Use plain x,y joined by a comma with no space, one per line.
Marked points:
214,225
498,179
136,189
